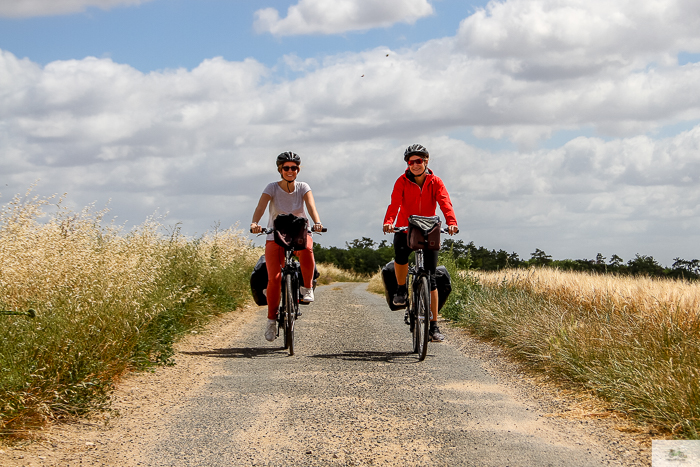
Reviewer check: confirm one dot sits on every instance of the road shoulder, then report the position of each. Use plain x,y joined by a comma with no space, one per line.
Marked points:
141,404
144,403
565,408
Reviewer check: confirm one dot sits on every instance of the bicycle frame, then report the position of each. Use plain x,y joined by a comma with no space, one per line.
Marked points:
288,310
419,308
419,311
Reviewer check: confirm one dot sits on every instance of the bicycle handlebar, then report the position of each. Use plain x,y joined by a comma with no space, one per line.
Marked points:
404,229
265,231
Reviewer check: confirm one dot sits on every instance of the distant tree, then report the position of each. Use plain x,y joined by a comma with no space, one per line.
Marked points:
461,252
514,260
645,265
366,242
685,269
615,261
540,258
359,255
599,259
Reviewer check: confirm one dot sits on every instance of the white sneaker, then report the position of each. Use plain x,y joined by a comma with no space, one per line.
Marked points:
307,295
271,330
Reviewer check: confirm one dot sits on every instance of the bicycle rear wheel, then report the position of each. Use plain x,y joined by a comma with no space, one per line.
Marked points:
290,307
421,327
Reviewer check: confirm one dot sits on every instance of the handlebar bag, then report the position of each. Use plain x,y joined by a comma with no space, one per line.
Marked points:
424,232
290,231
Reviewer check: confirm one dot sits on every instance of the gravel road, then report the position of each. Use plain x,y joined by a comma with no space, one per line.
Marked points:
353,394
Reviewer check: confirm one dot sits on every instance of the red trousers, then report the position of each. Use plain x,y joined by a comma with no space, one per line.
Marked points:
274,259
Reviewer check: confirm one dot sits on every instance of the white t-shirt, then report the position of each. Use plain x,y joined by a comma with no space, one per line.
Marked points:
285,203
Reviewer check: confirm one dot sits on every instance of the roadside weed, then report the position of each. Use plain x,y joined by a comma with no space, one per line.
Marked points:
106,300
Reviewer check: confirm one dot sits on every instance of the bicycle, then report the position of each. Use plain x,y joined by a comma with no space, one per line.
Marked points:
418,313
288,311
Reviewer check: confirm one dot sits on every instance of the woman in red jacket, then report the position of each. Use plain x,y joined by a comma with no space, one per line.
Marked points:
418,191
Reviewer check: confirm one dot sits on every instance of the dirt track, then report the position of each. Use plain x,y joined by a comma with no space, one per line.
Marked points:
352,395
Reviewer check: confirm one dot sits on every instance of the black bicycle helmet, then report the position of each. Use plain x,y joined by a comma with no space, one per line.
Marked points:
416,150
288,156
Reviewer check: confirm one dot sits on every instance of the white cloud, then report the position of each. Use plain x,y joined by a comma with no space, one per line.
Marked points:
201,143
551,39
338,16
28,8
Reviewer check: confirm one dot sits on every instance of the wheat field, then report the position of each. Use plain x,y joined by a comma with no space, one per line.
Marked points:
634,341
106,300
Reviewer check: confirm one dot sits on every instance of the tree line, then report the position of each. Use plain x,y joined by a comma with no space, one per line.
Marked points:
365,256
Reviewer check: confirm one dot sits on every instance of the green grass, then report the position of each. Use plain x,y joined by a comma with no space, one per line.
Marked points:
107,303
644,364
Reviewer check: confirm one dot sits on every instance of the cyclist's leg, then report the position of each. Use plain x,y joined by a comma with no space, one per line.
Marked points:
401,254
433,305
430,258
274,259
307,262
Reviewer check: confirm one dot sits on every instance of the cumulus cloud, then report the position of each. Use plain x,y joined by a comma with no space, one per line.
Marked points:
27,8
339,16
552,39
201,143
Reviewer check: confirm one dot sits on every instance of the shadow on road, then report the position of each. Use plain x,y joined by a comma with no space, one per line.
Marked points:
241,352
368,356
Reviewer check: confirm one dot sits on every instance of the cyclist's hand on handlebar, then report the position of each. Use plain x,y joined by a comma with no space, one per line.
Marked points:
255,228
388,228
317,227
452,229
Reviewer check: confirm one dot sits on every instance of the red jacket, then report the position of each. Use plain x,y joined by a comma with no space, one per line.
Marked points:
408,199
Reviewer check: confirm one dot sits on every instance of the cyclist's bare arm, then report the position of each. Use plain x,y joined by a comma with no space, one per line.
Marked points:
311,207
259,211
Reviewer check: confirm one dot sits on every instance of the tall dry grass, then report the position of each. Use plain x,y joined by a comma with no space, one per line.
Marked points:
107,301
633,341
376,285
330,273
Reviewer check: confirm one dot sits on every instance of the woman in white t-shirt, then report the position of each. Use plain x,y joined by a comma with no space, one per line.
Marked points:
287,196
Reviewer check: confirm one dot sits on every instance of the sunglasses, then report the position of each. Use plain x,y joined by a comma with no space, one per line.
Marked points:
416,162
293,168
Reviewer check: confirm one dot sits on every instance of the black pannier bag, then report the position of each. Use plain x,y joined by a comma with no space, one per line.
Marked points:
258,282
390,285
301,276
444,285
442,278
290,231
424,232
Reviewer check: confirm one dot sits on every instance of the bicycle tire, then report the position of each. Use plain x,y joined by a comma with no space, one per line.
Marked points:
289,306
282,314
412,313
422,325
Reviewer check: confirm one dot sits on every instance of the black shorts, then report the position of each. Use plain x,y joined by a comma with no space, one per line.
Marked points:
402,252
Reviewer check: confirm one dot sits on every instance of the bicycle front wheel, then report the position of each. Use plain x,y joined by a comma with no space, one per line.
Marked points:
290,306
421,327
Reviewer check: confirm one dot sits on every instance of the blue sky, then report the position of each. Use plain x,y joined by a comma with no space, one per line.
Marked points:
564,125
181,33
